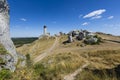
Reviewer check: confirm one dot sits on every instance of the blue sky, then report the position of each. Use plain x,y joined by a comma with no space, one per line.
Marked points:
27,17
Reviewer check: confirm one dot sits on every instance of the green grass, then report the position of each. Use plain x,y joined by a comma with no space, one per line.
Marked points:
2,50
5,75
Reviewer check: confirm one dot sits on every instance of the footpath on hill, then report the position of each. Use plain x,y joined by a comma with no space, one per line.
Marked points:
47,53
73,75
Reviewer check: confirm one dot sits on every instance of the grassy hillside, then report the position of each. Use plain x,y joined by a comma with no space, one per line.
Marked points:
67,58
37,47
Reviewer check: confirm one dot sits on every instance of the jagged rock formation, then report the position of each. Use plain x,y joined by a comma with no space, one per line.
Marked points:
87,37
5,39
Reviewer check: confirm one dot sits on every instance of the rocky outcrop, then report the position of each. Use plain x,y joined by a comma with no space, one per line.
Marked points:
12,59
9,62
83,35
91,40
70,39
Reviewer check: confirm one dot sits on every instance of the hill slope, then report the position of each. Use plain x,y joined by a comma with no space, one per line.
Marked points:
67,58
71,61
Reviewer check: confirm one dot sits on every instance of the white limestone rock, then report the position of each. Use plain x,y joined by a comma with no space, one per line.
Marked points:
5,39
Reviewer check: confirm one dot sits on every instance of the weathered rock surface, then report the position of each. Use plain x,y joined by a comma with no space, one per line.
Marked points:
5,40
70,39
9,62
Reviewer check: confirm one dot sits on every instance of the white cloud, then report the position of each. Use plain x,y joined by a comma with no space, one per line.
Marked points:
95,14
23,19
110,17
96,17
85,24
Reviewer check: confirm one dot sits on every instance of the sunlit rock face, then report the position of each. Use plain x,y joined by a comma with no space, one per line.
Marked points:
5,39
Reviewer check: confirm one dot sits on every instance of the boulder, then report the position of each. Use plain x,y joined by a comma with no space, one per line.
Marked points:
70,39
91,40
80,36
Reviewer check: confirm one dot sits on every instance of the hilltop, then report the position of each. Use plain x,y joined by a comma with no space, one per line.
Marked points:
48,58
64,59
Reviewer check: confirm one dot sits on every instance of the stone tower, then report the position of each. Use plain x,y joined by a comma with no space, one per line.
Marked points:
45,30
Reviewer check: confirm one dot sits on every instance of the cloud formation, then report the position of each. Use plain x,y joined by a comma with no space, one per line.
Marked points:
96,17
95,14
85,24
23,19
110,17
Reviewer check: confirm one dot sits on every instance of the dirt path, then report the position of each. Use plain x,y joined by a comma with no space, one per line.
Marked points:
74,74
48,52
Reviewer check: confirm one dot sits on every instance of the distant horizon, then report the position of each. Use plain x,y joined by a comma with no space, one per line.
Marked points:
27,18
54,34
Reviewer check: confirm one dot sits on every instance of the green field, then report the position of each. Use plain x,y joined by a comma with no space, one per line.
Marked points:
21,41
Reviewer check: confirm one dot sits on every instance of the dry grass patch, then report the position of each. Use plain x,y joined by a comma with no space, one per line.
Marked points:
89,75
37,47
63,63
103,59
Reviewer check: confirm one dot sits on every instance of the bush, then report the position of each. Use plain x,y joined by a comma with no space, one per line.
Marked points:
39,68
5,74
40,71
28,60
